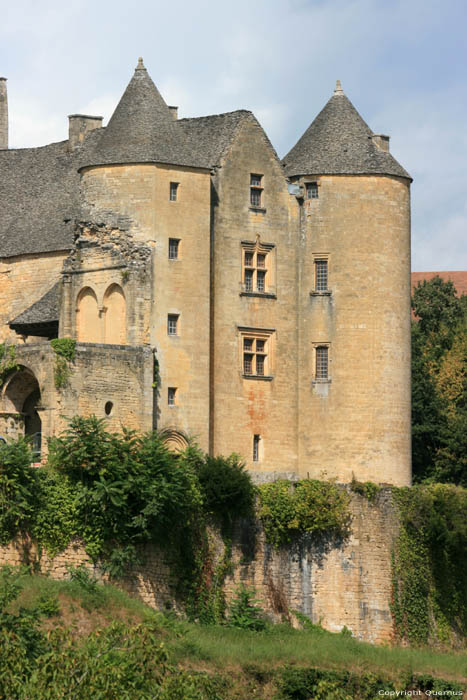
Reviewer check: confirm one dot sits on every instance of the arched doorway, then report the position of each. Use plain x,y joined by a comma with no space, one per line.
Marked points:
22,397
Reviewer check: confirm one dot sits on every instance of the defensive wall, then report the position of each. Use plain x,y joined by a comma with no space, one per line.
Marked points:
334,583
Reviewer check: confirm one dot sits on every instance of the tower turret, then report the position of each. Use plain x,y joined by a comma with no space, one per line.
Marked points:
354,291
3,114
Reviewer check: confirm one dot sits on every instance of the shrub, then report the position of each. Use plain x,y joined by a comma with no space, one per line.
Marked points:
244,611
18,485
289,510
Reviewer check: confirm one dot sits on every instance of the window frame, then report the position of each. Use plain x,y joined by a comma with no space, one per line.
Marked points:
256,346
312,190
251,251
173,319
173,191
171,396
177,249
318,377
256,190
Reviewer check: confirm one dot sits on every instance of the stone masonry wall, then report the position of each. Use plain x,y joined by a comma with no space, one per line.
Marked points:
333,583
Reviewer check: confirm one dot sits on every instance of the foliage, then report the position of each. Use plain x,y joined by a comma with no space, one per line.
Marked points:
18,487
7,361
127,490
65,347
244,611
228,492
430,559
289,510
65,350
439,383
368,489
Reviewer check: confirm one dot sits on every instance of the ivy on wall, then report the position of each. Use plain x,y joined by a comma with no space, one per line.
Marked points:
65,351
7,361
429,602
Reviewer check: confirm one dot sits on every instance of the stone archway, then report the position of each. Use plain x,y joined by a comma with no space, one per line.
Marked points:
21,401
175,440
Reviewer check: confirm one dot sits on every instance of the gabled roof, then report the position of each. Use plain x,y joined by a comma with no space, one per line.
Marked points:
39,190
339,142
208,138
41,318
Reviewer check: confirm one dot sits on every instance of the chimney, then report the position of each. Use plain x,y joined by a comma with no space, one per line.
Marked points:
381,141
79,125
173,111
3,114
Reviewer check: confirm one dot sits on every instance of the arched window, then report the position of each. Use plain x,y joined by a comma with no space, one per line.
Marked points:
88,322
115,315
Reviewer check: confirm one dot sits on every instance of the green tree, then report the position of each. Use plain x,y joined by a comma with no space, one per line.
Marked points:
439,383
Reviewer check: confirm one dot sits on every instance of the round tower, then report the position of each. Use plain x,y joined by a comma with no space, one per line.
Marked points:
354,292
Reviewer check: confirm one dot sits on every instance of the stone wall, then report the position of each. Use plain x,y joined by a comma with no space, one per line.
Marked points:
335,584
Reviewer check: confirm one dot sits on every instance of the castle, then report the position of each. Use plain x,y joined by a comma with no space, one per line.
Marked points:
260,306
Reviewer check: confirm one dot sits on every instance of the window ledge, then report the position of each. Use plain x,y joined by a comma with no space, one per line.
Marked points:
316,293
265,295
259,377
260,210
321,381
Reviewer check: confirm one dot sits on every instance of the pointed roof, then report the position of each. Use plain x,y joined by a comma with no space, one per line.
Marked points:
339,142
141,129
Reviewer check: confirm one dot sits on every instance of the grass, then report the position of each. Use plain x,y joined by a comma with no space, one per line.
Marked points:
240,653
284,645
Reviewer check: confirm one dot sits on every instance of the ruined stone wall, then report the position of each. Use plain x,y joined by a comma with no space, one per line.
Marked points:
24,280
245,406
335,584
110,381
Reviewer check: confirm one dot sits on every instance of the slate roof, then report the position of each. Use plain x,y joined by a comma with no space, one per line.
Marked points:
38,199
142,130
43,312
339,142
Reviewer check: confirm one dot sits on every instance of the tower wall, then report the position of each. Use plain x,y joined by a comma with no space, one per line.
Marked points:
356,422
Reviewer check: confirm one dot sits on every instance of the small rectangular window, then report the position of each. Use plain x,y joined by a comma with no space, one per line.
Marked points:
249,280
255,270
248,363
260,281
322,362
173,248
171,392
256,189
173,191
321,275
312,190
172,324
256,439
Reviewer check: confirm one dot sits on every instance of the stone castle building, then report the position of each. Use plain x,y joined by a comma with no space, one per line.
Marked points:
261,307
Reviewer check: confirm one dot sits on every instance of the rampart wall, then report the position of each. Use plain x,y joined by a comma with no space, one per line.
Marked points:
335,584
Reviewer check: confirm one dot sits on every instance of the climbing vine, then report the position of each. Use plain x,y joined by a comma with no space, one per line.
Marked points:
429,599
7,361
65,351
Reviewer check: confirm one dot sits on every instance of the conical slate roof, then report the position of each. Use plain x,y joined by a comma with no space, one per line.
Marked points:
141,130
339,142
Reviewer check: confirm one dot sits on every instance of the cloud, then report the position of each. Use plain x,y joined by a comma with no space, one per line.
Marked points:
401,63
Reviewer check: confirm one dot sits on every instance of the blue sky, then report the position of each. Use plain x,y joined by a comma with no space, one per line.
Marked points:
401,62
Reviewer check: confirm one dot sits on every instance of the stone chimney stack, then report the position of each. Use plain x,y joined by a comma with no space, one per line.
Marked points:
173,111
3,114
79,125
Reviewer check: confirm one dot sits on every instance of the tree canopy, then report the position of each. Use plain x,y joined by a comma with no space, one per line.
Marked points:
439,383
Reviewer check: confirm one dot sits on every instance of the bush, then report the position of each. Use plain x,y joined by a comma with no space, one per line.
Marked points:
18,486
289,510
244,611
228,492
